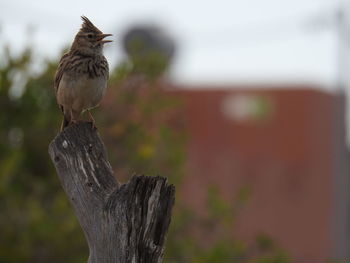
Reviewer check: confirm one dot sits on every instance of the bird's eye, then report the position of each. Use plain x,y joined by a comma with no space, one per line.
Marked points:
90,36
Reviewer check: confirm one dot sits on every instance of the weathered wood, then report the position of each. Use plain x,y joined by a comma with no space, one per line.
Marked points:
122,223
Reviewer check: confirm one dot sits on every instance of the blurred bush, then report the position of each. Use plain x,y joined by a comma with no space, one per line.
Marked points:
36,221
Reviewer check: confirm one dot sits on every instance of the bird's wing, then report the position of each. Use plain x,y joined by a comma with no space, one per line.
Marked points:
60,70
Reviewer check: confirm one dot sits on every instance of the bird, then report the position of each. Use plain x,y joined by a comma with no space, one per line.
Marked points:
81,78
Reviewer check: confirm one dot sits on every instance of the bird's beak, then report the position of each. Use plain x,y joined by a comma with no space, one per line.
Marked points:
101,37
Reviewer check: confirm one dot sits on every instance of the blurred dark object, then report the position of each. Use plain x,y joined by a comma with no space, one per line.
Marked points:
149,48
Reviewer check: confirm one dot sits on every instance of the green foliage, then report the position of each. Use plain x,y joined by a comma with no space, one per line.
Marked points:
36,221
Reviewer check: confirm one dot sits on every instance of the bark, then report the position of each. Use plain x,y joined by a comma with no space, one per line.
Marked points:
122,223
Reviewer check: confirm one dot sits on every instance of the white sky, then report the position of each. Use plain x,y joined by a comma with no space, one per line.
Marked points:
218,41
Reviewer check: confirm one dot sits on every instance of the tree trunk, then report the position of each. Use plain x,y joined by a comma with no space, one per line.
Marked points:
122,223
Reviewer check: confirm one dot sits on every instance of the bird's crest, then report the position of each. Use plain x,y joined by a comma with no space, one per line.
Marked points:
88,26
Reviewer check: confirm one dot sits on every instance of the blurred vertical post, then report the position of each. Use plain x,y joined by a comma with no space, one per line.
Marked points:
342,68
342,137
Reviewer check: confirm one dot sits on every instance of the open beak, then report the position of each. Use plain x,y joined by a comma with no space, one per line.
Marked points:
101,37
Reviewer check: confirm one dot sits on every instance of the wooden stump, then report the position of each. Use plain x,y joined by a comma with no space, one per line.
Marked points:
122,223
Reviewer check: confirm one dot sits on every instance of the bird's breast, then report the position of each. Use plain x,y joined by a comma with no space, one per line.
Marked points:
81,93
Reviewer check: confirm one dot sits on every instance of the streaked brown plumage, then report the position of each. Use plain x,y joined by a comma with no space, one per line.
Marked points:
82,74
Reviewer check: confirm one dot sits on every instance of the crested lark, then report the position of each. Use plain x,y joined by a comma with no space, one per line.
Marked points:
82,74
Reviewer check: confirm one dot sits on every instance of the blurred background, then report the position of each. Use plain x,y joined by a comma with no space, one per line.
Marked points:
243,105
